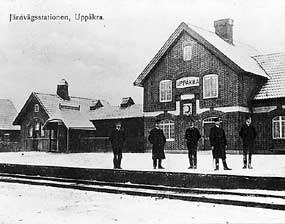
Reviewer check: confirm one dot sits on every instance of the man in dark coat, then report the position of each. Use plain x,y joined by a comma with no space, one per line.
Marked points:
117,139
218,143
192,136
248,134
157,139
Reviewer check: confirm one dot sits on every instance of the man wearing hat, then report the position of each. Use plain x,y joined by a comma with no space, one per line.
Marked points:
248,134
218,143
157,139
117,139
192,136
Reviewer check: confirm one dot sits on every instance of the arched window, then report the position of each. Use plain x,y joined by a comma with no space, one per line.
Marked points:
168,129
31,131
210,86
278,127
187,53
165,91
37,108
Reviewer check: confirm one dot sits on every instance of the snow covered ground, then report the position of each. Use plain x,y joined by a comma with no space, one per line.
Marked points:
264,165
27,204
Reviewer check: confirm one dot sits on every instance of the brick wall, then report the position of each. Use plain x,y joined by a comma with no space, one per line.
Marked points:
234,89
27,120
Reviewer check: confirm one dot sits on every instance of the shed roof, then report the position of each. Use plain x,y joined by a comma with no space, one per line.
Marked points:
8,113
274,65
117,112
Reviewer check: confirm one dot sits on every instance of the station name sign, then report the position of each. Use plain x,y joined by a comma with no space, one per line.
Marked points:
187,82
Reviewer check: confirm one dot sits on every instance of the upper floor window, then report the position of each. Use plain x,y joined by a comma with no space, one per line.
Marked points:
167,127
278,127
37,108
187,53
210,86
165,91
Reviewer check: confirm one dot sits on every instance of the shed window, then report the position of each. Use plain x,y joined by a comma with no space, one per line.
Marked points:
210,86
187,53
165,90
6,137
278,127
167,127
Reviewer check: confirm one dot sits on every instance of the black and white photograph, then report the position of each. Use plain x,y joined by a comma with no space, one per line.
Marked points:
142,111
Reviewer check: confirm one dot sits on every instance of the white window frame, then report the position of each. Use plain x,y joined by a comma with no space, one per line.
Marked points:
281,121
211,77
169,126
37,108
164,91
187,53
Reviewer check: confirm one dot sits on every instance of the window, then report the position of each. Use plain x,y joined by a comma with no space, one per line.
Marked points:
278,127
167,127
6,137
210,86
31,131
37,108
165,90
187,53
37,126
42,131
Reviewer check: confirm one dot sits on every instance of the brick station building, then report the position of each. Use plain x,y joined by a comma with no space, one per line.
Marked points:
199,74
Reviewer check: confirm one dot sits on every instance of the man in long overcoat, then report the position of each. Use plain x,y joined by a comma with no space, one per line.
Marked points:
218,143
117,139
248,135
192,136
157,139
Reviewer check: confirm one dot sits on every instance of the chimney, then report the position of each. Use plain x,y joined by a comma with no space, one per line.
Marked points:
224,29
62,89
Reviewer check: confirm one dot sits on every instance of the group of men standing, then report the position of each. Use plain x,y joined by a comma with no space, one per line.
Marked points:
218,144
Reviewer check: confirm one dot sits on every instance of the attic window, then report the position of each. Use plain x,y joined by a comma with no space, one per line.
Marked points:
126,102
69,107
187,53
37,108
96,105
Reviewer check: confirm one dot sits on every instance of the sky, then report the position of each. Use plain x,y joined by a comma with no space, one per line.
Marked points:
101,59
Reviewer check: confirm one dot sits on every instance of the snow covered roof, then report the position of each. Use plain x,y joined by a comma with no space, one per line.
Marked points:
8,113
72,119
117,112
274,65
237,55
51,102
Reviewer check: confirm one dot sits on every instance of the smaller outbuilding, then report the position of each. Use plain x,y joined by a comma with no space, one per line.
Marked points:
9,133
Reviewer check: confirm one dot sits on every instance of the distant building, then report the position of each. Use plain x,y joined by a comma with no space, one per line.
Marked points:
62,123
9,133
201,75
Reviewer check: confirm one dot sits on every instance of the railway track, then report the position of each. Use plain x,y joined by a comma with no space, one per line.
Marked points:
248,198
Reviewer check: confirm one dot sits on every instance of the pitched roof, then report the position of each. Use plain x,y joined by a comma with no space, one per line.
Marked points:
8,113
274,65
51,102
116,112
238,56
74,113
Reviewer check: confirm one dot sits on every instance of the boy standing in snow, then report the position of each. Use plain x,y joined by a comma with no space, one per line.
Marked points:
192,136
117,139
248,134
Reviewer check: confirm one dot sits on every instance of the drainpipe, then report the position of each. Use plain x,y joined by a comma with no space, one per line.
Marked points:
67,140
